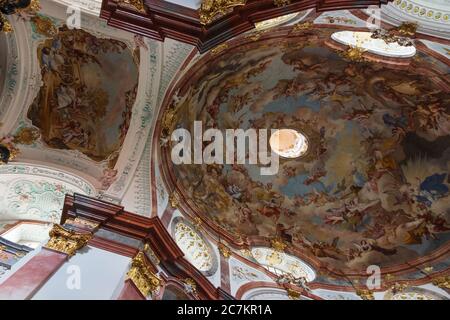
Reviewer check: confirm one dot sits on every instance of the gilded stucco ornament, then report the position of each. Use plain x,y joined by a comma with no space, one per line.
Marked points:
407,29
442,282
365,294
278,244
224,250
5,26
293,294
173,200
281,3
354,54
220,48
141,275
44,26
27,136
302,26
136,4
67,241
211,10
398,287
190,286
8,151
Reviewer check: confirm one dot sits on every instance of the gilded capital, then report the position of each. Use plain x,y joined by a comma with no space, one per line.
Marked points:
141,275
67,241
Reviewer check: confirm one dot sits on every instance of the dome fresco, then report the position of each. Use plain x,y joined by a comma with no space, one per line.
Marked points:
224,150
374,185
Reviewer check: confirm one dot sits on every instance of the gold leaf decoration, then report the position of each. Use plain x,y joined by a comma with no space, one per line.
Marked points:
211,10
278,244
67,241
141,275
27,136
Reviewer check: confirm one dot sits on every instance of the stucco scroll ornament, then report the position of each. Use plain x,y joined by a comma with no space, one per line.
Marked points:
67,241
211,10
289,279
141,275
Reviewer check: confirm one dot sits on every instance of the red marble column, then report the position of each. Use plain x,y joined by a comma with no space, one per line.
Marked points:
130,292
28,279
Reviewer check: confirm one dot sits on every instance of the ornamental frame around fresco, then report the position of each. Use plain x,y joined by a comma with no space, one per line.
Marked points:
208,249
27,79
72,106
188,205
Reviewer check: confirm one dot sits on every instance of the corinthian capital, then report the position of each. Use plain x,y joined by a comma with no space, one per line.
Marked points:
67,241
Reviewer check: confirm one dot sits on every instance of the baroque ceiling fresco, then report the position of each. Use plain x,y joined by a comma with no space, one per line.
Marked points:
89,88
374,185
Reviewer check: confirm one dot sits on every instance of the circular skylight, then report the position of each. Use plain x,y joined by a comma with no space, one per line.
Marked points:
289,143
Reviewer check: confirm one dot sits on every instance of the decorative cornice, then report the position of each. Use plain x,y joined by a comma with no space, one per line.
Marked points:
67,241
142,275
217,20
150,231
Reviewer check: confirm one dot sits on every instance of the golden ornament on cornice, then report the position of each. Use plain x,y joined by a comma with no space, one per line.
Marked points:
197,222
27,136
398,287
224,250
278,244
254,36
389,277
302,26
281,3
365,294
442,282
293,295
136,4
173,200
168,120
6,26
211,10
220,48
67,241
141,275
428,269
407,29
354,54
